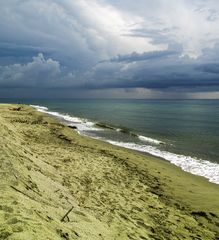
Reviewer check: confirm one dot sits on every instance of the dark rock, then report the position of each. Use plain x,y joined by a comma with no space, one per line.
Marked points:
15,109
73,127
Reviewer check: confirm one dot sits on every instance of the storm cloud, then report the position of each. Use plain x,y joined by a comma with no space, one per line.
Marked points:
105,44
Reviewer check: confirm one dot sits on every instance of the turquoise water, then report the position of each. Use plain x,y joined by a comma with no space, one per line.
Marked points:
185,127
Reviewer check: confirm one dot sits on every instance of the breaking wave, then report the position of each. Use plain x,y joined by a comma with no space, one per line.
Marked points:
190,164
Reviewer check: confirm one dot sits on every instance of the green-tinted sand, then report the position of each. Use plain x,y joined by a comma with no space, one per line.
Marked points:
47,168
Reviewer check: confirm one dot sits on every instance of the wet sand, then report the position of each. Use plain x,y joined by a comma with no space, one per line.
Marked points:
57,184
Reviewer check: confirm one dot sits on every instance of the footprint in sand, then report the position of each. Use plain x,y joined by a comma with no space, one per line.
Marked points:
13,220
5,232
6,209
17,229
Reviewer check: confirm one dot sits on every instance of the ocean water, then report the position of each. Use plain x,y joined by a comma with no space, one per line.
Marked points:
184,132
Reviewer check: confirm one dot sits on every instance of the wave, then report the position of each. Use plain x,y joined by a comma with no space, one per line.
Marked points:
150,140
80,123
121,129
106,126
40,108
195,166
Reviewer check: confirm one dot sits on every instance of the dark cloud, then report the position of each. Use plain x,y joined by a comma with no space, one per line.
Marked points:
210,68
133,57
107,44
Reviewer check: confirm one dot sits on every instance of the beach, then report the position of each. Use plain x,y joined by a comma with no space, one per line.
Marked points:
58,184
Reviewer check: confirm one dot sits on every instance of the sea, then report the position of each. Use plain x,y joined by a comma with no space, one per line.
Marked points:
183,132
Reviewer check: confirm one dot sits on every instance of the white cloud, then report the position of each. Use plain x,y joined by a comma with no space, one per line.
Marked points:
86,31
155,44
39,72
89,31
193,24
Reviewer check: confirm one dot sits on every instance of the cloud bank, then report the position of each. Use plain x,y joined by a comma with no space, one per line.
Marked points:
162,46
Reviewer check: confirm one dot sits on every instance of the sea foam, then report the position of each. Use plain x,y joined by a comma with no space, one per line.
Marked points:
149,140
40,108
80,123
195,166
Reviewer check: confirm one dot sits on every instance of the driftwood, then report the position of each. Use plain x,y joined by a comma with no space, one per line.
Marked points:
73,127
15,109
25,194
66,215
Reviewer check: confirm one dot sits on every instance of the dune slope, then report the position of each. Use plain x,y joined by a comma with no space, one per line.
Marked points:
56,184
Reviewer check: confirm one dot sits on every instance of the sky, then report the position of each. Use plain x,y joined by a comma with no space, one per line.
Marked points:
109,48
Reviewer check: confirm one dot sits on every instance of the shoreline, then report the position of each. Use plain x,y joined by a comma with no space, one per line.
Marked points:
199,167
115,193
